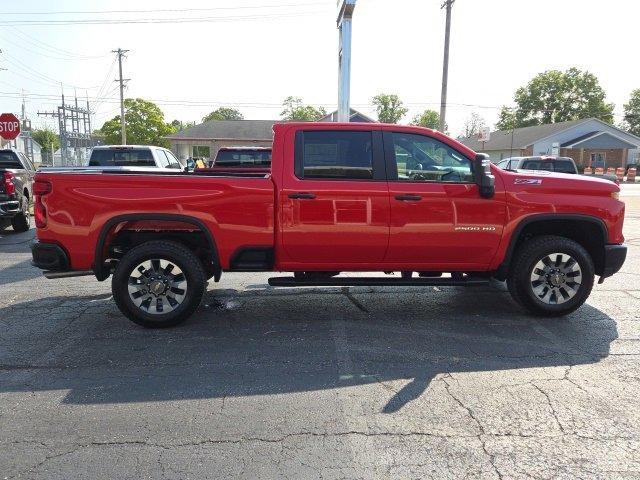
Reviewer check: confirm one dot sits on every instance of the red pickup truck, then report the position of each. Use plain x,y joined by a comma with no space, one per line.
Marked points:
339,198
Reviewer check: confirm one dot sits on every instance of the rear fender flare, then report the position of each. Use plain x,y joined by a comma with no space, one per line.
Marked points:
102,272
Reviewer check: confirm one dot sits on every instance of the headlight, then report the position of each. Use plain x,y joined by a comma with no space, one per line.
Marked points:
615,195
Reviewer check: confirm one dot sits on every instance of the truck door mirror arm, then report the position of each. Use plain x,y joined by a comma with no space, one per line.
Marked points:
483,177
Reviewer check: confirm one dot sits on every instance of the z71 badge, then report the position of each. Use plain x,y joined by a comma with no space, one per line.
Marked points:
528,181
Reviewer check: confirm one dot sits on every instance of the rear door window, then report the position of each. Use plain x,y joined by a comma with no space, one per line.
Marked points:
122,158
337,155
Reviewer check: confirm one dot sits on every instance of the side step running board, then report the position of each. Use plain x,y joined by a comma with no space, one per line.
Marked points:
377,282
68,274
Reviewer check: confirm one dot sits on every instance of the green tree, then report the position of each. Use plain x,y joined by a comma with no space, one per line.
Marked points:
145,125
180,125
632,113
428,119
47,139
555,96
507,119
296,110
389,108
474,125
223,113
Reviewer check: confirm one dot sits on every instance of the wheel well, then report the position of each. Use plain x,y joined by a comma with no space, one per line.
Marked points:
120,237
590,234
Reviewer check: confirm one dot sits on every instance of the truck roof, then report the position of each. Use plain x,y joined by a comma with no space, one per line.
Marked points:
124,147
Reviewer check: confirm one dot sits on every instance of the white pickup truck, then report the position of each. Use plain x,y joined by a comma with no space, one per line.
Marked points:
550,164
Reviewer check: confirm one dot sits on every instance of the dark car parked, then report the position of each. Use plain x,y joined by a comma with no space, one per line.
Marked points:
16,181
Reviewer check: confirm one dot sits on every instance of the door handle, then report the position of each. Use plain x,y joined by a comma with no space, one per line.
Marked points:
409,198
301,195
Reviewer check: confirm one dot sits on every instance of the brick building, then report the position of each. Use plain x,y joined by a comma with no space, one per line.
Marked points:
590,142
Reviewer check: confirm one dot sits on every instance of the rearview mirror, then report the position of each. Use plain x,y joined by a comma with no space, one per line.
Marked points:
483,177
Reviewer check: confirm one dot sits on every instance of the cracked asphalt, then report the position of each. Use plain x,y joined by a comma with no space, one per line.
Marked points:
318,383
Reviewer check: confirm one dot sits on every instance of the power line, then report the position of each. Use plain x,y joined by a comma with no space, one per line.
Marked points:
47,55
210,9
125,21
25,68
51,48
256,104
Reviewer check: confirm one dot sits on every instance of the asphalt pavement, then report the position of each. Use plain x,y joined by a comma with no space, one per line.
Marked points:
318,383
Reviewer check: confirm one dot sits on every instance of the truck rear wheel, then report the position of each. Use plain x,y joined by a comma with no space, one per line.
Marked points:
158,284
22,221
551,276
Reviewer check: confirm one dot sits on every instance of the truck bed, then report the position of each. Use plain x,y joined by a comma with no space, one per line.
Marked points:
238,209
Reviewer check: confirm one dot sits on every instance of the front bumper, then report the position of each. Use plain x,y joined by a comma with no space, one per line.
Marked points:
614,257
49,256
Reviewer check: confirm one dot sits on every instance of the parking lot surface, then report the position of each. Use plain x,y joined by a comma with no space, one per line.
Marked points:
318,383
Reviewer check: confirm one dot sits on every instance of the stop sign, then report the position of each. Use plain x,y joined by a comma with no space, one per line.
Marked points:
9,126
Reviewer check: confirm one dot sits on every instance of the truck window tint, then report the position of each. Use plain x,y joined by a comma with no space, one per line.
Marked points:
244,158
337,155
9,160
420,158
121,158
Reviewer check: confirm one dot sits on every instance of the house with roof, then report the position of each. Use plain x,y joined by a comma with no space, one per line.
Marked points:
206,139
590,142
354,116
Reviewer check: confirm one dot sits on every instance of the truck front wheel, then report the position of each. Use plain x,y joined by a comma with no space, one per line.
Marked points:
551,276
158,284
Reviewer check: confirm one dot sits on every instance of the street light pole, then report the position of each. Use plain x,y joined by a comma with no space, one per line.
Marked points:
345,15
445,67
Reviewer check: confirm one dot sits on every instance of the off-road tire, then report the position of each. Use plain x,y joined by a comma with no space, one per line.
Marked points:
524,261
177,254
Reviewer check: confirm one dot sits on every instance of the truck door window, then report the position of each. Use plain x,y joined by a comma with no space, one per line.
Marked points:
163,161
173,161
419,158
338,154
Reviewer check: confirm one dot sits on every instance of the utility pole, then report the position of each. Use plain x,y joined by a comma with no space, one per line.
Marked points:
445,66
122,81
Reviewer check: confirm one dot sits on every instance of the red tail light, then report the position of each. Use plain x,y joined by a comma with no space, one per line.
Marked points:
40,188
9,187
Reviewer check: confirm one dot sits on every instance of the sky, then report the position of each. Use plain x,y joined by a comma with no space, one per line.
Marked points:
251,54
